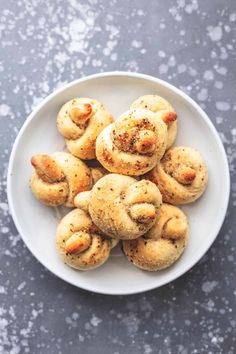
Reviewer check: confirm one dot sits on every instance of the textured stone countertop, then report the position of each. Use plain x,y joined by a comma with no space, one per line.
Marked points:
44,45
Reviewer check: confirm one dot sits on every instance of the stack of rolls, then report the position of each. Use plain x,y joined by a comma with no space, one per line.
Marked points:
131,197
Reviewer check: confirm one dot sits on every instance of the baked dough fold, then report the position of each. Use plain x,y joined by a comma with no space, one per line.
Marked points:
60,176
80,121
181,175
80,243
163,244
163,109
121,206
133,144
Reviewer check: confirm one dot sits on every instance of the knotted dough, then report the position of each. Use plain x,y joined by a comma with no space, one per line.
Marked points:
80,243
163,109
163,244
60,176
80,121
133,144
121,206
181,175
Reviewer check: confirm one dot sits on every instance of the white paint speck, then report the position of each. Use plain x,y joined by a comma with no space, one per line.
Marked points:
227,28
222,106
208,75
233,131
163,68
21,286
219,120
4,110
175,13
172,61
215,33
36,101
106,51
95,321
61,58
79,64
136,44
4,207
232,17
140,12
193,6
161,54
221,70
203,94
192,71
77,26
114,56
219,85
208,286
181,68
147,349
96,63
5,229
2,290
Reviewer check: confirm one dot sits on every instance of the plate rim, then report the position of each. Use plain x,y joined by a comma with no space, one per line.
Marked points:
132,75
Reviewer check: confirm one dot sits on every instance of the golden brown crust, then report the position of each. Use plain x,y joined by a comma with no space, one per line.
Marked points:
163,244
80,243
47,168
58,178
133,144
80,113
51,194
181,175
97,173
81,201
80,121
163,109
120,206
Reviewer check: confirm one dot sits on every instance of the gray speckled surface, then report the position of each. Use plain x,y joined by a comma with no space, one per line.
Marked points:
191,44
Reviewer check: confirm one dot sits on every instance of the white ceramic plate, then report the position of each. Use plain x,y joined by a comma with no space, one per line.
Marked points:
37,223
